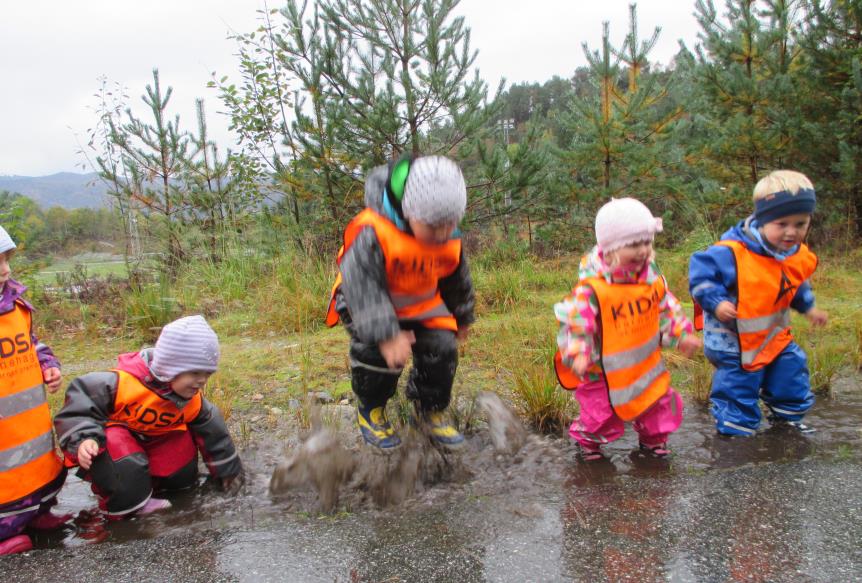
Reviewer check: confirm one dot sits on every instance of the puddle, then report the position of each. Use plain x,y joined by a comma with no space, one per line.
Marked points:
510,506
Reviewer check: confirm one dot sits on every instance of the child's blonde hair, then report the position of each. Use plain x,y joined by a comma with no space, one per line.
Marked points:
781,180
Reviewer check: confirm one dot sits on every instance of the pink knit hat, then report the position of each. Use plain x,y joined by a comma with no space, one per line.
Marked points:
624,221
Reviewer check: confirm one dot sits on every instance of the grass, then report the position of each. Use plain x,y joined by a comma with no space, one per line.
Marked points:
95,265
269,313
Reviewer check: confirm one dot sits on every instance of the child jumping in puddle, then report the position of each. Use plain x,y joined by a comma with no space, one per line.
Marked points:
404,288
612,328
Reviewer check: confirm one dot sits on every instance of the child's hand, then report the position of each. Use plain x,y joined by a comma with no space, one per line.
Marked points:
398,349
88,450
462,333
725,311
53,377
580,365
689,345
231,484
816,316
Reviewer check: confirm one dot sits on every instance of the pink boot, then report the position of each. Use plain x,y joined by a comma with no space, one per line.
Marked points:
154,505
16,544
49,521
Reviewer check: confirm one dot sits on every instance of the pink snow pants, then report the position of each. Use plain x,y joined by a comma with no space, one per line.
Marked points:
598,424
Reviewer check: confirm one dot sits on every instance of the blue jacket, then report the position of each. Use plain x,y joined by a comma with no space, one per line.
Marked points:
712,280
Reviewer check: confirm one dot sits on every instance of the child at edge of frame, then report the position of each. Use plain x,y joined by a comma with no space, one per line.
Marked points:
745,286
31,473
137,429
612,328
404,288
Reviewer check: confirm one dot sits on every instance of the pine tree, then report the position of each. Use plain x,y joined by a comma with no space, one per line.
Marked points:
830,79
742,105
153,157
621,126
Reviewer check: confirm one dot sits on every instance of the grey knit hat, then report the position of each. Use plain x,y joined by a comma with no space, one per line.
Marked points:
185,345
6,242
435,192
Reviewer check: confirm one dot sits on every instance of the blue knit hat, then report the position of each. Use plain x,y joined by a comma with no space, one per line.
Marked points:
784,203
6,242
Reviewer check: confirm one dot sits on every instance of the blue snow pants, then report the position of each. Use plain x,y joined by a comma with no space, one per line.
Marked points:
783,385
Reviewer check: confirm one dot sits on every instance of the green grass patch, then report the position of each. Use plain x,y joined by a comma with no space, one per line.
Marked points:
268,312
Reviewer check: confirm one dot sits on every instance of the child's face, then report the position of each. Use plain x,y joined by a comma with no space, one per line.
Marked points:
632,257
430,234
5,268
187,384
787,231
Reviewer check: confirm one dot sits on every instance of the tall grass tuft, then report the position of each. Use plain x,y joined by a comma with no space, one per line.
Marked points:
149,307
690,376
221,394
499,289
826,358
293,295
541,401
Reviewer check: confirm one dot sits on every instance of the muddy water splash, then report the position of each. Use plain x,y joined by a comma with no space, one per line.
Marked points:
387,478
322,462
481,515
507,433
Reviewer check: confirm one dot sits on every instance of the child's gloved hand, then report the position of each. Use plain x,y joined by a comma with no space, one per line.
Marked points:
88,450
817,317
725,311
232,484
580,365
689,345
398,349
52,377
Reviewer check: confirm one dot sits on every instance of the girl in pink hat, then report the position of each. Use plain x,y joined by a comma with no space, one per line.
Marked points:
612,328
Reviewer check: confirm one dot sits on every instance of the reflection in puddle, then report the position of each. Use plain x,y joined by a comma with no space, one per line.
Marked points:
514,506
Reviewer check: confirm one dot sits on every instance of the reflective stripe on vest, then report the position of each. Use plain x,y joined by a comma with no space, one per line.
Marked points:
144,411
413,271
28,460
630,344
22,401
766,288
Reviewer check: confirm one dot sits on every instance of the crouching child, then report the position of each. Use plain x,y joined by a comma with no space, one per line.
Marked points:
136,430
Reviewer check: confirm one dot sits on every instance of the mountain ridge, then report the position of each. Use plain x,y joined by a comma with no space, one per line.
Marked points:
66,189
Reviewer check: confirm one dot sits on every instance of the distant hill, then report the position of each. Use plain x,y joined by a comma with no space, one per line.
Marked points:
66,189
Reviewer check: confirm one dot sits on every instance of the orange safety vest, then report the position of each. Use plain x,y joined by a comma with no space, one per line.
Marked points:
765,289
28,460
144,411
630,346
413,271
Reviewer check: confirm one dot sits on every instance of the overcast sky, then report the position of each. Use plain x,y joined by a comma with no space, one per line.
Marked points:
52,53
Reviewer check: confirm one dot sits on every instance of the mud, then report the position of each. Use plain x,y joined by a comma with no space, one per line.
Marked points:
510,506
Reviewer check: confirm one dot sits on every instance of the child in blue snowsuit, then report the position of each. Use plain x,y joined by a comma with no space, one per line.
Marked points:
746,285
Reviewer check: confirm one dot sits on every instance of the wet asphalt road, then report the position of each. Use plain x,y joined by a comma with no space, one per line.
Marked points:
777,507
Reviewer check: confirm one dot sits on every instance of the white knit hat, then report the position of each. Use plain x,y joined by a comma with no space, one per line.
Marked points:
185,345
435,192
624,221
6,242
